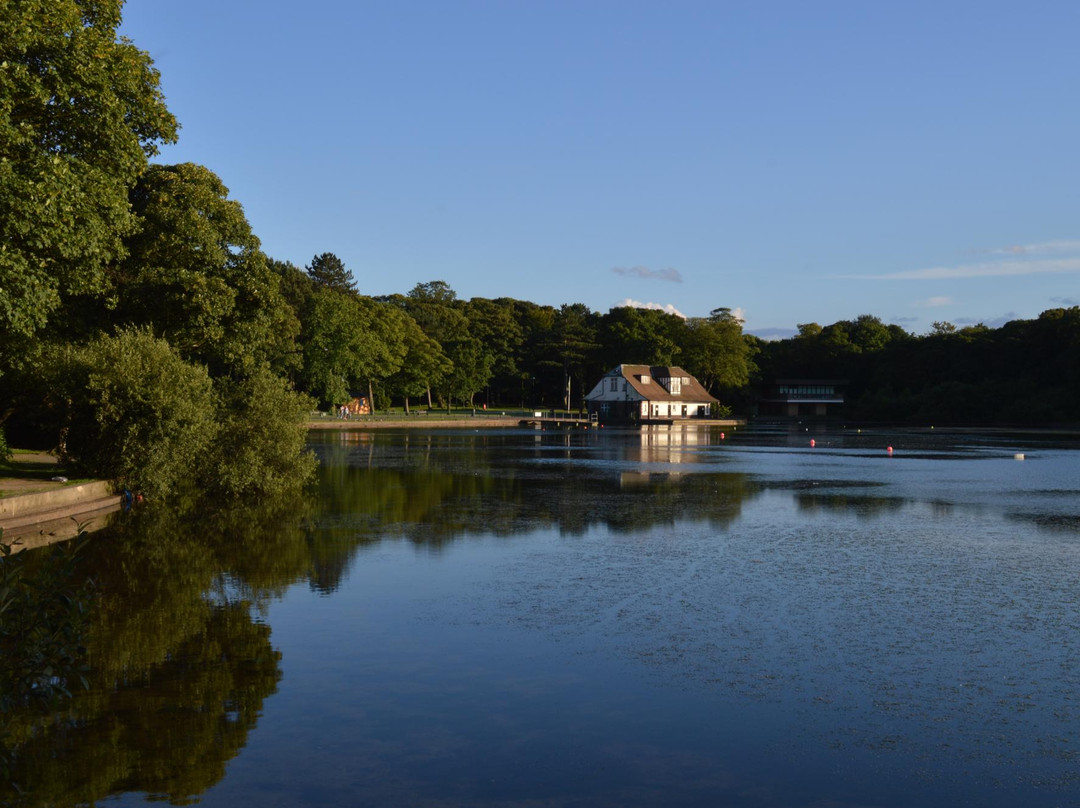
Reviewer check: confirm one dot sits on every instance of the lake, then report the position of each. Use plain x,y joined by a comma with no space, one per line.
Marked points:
658,617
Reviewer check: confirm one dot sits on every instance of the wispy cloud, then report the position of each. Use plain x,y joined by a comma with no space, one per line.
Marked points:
672,275
935,302
1045,248
989,269
1065,301
637,304
1046,258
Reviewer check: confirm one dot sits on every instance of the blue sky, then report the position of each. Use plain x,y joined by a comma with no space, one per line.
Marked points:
793,161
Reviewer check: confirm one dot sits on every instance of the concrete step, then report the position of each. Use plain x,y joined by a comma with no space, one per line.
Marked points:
60,497
53,527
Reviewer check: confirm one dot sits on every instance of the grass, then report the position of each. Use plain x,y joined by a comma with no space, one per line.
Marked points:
31,470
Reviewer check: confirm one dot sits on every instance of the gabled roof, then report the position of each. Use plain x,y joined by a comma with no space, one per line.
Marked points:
653,390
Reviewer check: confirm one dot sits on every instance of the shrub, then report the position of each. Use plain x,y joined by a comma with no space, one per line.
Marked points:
260,446
135,411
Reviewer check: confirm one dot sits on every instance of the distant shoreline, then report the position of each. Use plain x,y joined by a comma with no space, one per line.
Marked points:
475,422
415,422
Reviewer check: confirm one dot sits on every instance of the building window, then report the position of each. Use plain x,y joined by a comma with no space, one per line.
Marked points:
614,384
644,379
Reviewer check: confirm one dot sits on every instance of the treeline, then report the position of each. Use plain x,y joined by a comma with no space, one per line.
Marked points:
146,335
144,332
431,348
1025,372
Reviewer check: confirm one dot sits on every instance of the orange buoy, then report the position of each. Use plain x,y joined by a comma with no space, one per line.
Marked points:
813,443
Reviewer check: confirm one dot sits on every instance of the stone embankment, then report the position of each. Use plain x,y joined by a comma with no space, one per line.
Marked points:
45,516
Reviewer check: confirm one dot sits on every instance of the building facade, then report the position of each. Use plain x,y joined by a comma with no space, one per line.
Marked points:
648,394
801,398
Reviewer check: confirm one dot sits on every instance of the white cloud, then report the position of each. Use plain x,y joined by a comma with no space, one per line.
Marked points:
669,274
935,302
637,304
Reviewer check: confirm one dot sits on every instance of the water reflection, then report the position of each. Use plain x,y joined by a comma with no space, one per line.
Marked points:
437,487
179,663
755,574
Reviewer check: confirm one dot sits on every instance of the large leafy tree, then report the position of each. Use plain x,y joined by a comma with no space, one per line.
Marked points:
80,113
195,273
716,351
423,364
347,341
642,336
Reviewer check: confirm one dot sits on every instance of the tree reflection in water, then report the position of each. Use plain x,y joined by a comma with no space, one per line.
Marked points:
180,662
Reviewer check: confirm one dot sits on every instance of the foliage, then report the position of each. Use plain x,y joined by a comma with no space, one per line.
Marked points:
338,343
196,275
260,447
80,112
1026,372
716,352
327,271
423,363
130,409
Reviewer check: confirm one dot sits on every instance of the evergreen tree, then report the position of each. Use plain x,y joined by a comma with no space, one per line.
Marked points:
327,271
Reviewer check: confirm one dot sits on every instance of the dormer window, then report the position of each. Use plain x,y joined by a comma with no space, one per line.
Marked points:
644,379
674,385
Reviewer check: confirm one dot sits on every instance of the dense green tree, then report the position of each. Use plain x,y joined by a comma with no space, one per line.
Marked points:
716,353
296,285
261,444
495,325
573,343
327,271
537,326
196,275
435,308
388,325
424,364
470,369
80,112
642,336
129,408
335,343
349,341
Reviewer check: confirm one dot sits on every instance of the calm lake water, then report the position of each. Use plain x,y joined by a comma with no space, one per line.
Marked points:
594,618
